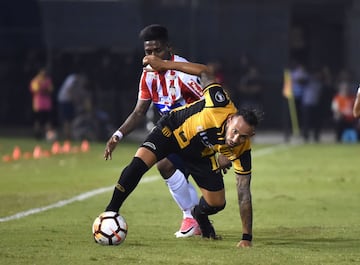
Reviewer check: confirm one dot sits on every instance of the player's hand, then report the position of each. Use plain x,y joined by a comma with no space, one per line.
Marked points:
110,146
156,63
244,244
224,163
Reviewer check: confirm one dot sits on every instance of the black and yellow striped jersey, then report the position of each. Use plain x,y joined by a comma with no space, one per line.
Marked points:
201,126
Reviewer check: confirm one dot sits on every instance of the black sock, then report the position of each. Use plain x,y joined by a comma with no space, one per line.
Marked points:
127,182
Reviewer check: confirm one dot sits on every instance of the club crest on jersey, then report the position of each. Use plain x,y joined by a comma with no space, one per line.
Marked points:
219,97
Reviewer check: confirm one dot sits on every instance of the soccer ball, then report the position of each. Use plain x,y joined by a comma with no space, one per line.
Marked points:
109,228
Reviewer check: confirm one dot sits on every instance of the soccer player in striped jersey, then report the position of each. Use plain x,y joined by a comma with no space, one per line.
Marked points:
198,132
166,90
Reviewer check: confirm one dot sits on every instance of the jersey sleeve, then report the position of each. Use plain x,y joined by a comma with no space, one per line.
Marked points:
242,165
144,90
215,96
191,89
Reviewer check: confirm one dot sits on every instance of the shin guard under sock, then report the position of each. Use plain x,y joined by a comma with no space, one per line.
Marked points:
127,182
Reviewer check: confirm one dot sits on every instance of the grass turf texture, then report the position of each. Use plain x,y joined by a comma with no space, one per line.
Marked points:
306,210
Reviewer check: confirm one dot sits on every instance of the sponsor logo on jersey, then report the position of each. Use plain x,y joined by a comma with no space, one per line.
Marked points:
205,139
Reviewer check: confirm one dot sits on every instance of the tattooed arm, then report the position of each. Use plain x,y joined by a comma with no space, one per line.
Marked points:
245,207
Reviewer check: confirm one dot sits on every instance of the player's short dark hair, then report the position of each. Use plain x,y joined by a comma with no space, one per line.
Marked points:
154,32
252,116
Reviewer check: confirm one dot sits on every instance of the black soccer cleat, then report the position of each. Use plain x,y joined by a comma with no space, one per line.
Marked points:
207,229
209,232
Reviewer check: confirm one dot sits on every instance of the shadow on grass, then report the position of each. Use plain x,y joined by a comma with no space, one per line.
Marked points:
305,237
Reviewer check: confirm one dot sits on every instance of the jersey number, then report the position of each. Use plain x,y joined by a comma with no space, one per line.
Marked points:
214,164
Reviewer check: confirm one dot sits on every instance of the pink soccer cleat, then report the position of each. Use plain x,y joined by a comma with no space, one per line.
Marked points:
189,227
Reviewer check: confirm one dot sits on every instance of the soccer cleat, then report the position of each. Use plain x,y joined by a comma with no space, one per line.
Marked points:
209,232
207,229
189,227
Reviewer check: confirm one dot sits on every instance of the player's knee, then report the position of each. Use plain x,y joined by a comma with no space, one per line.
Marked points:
209,210
166,168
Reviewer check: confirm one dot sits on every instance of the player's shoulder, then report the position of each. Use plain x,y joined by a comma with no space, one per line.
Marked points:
217,94
182,75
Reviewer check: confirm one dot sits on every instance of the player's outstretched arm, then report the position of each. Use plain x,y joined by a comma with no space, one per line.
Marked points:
131,122
197,69
245,207
356,108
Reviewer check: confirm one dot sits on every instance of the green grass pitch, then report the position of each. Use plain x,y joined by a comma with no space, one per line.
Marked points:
306,209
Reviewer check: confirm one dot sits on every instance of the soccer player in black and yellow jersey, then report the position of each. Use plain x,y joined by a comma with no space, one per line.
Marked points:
198,132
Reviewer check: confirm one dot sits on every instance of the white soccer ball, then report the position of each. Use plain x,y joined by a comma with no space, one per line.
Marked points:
109,228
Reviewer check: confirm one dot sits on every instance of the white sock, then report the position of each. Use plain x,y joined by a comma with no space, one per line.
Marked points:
182,192
194,198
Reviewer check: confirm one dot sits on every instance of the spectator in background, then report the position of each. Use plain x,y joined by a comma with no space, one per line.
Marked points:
327,94
244,65
311,114
250,89
71,98
342,107
41,88
216,69
300,79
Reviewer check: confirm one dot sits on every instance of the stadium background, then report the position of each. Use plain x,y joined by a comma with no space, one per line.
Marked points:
58,33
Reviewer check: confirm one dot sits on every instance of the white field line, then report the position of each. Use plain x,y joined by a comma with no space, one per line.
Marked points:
92,193
270,150
80,197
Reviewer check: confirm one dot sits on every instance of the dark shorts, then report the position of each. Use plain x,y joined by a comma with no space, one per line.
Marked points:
42,117
204,176
66,111
178,163
200,168
161,145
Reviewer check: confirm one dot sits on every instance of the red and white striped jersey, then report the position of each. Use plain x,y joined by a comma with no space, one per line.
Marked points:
171,89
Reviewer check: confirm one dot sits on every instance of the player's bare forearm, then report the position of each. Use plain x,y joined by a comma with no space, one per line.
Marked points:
128,126
244,201
197,69
132,121
135,117
356,108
